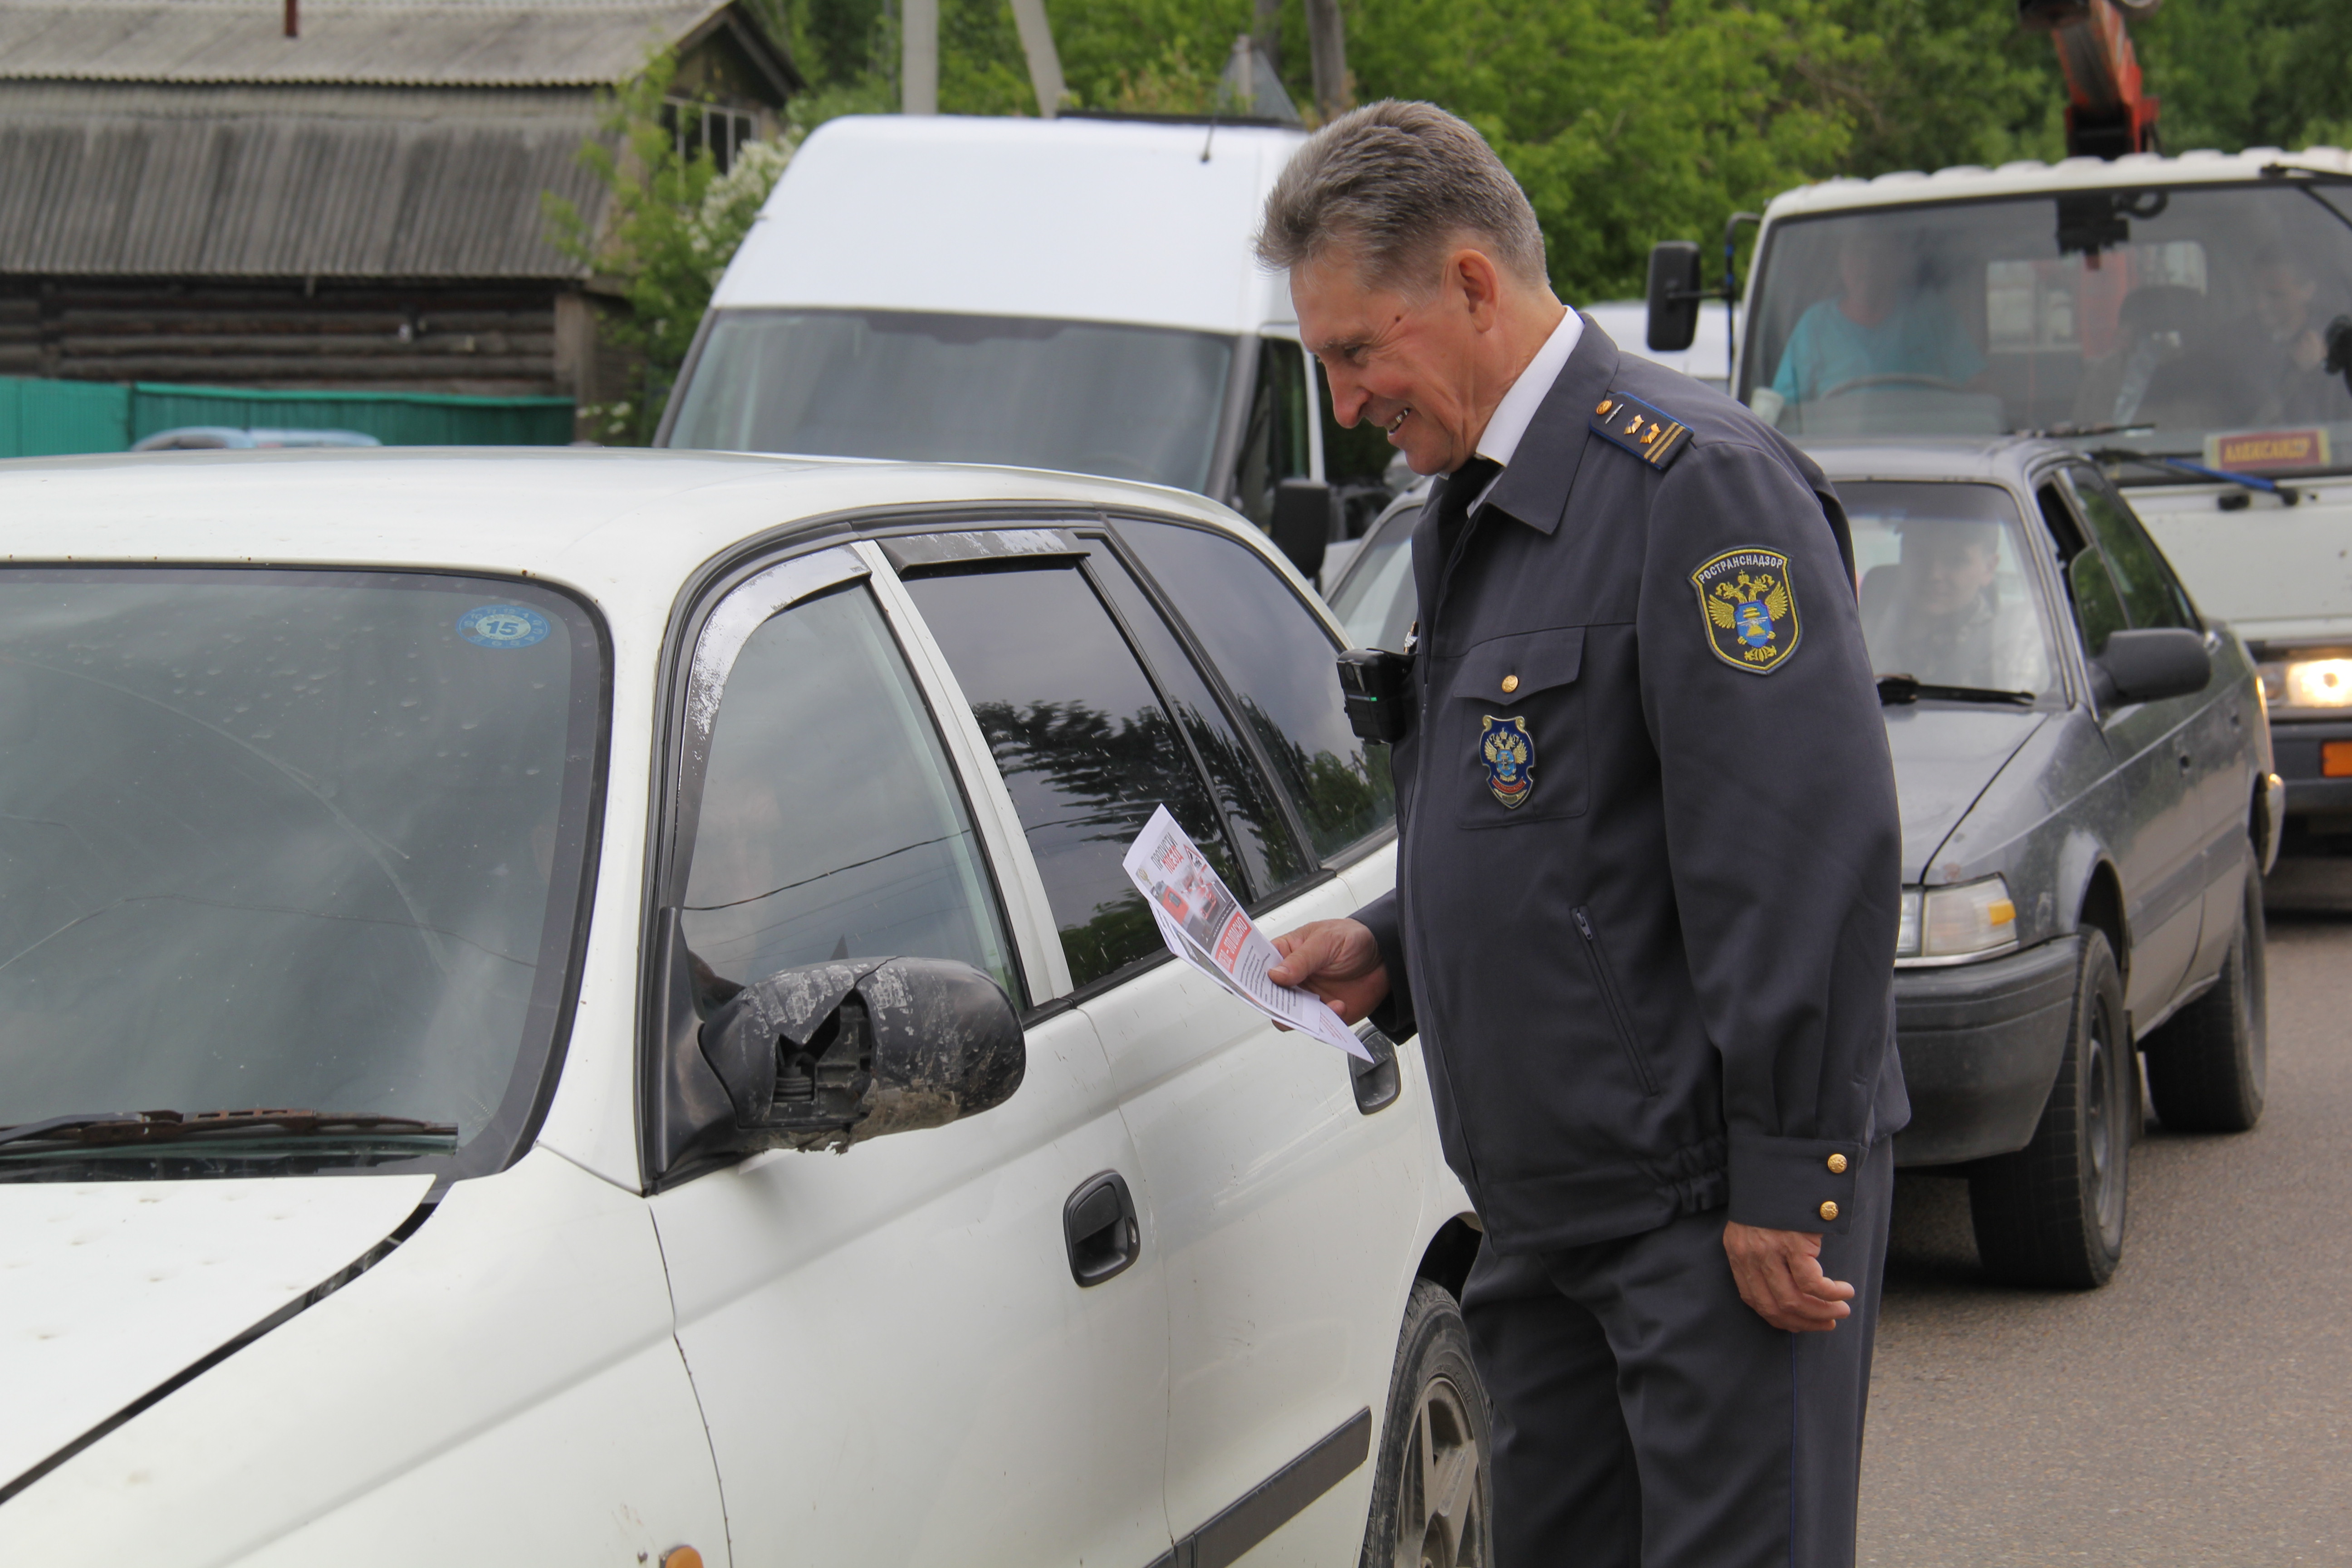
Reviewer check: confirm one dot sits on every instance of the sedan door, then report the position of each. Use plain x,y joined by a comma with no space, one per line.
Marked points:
897,1356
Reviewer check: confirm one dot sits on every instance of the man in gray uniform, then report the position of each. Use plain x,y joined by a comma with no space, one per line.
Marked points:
1646,882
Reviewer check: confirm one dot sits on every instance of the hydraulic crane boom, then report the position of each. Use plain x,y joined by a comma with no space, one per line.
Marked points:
2108,114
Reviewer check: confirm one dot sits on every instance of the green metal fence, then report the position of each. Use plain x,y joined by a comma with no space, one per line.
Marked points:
52,418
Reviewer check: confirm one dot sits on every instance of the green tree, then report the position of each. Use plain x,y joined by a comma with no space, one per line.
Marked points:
671,224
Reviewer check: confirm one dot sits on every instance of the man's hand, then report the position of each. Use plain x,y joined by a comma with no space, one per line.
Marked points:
1337,959
1779,1275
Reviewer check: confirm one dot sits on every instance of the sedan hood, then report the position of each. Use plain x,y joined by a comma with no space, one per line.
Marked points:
110,1290
1944,755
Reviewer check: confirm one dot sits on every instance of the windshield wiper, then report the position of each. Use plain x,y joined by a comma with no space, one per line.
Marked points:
1896,688
110,1128
2287,496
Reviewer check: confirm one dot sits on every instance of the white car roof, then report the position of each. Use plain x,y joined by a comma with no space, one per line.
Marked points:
2032,176
1069,219
623,527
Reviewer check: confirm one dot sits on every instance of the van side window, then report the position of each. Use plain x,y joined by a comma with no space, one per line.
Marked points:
2098,609
1086,745
1278,661
1274,443
2151,595
830,823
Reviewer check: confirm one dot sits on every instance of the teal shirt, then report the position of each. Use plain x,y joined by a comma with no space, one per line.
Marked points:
1920,336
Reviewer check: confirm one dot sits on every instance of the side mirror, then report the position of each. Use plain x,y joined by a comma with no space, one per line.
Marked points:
1675,291
828,1055
2150,665
1302,523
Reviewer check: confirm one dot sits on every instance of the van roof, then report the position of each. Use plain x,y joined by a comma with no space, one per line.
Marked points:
1072,220
2030,176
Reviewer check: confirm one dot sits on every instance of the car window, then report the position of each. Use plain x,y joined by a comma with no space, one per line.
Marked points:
2150,596
830,824
2098,609
1269,852
1378,600
1278,662
1947,594
1085,743
1274,443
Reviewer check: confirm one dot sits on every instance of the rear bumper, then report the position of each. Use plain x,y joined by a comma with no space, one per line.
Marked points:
1981,1044
2294,747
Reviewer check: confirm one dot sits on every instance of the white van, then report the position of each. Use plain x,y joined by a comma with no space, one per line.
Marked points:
456,904
1076,294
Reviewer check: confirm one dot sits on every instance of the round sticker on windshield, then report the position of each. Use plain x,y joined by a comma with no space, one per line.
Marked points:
503,625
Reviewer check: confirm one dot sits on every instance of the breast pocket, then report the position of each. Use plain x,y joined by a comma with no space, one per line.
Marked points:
1511,730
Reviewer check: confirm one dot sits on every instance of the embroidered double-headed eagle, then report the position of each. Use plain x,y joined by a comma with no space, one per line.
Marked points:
1751,611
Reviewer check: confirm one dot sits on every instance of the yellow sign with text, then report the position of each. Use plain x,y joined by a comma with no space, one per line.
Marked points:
2252,451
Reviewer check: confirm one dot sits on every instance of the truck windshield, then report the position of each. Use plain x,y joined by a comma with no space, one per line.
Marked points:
279,838
2187,322
1132,403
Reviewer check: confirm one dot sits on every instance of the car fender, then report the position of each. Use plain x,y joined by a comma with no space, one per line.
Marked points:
2080,856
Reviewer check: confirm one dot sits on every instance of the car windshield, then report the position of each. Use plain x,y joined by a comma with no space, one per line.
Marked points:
1947,597
1374,602
1132,403
2190,322
288,839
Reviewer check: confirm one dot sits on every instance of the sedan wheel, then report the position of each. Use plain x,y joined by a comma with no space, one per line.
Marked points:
1431,1495
2052,1213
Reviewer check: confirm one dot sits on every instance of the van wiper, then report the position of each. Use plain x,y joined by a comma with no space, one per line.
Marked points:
1897,688
2183,465
112,1128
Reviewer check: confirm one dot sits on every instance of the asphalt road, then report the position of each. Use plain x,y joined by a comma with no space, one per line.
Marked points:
2197,1410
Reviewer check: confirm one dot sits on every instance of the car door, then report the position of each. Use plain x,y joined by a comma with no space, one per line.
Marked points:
2144,809
2209,744
1284,1238
1288,1258
895,1358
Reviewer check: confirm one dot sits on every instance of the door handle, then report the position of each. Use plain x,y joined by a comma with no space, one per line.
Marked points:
1099,1226
1376,1082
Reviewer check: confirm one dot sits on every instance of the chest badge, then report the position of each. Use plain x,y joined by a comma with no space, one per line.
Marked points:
1509,754
1750,609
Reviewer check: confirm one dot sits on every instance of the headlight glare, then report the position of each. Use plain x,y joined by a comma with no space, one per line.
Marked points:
2319,683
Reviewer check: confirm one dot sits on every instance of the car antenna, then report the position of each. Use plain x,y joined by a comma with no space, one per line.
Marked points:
1211,139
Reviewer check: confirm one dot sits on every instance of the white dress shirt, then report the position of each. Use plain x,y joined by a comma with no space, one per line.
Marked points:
1501,437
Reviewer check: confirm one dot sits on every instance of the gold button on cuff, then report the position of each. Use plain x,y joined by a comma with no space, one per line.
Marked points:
1837,1164
1829,1211
1510,684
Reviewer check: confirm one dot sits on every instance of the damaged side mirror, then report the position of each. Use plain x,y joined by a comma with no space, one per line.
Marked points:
828,1055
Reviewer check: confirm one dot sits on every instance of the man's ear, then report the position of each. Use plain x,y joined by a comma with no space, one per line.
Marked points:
1473,273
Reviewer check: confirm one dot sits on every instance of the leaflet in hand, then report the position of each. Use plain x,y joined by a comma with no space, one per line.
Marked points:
1203,925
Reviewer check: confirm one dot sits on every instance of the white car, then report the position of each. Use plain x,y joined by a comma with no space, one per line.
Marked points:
471,919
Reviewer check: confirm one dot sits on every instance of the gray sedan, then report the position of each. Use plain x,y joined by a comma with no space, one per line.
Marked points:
2087,799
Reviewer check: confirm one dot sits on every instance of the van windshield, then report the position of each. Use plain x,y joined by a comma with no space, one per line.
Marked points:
1131,402
2189,322
277,840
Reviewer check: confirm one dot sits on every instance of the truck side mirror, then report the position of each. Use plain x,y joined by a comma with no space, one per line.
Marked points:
1302,523
828,1055
2151,665
1675,291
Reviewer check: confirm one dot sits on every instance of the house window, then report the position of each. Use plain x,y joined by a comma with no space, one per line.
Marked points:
695,127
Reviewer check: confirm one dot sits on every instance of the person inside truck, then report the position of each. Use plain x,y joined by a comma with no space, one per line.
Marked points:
1883,322
1938,614
2283,343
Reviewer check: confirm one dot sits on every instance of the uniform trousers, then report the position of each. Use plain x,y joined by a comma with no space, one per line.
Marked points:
1645,1417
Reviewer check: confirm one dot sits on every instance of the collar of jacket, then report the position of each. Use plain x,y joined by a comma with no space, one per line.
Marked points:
1534,488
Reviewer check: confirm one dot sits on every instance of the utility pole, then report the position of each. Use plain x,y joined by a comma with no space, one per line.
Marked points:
919,57
1045,62
1268,33
1327,53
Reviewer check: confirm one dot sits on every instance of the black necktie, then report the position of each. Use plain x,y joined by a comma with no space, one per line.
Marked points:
1458,493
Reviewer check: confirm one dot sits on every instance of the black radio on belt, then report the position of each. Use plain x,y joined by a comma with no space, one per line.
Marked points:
1378,686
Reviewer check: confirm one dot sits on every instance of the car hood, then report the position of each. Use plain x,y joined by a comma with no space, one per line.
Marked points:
110,1290
1944,755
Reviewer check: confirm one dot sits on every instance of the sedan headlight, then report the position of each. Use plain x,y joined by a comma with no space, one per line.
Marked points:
2320,685
1951,925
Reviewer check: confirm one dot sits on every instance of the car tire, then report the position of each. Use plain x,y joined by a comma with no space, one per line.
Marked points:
2052,1213
2208,1063
1433,1495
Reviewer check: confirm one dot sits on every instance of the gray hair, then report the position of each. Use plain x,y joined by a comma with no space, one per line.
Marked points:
1393,182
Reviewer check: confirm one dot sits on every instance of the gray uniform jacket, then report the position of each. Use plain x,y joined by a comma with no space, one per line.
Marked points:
1648,869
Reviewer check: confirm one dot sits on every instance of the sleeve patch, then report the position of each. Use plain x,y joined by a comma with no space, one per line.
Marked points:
1650,434
1748,608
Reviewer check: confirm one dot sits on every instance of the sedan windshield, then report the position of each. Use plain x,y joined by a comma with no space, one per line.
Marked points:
1132,403
2189,321
286,839
1947,597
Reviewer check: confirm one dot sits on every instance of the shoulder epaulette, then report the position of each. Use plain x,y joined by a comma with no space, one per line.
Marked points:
1650,434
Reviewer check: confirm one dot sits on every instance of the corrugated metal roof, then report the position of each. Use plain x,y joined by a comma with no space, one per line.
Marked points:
288,183
448,43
